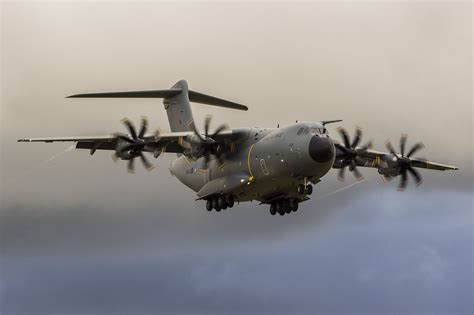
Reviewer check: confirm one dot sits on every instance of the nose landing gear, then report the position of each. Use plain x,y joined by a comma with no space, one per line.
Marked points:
302,189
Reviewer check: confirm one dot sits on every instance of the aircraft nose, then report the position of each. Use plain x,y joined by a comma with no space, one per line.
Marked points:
321,149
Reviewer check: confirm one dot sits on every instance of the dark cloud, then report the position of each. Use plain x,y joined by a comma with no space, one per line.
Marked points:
387,258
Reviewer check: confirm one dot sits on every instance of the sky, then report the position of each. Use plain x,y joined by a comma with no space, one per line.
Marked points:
79,235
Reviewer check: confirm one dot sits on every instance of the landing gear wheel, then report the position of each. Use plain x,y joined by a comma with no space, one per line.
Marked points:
230,201
273,209
309,189
301,189
215,204
279,208
293,205
209,204
285,205
221,202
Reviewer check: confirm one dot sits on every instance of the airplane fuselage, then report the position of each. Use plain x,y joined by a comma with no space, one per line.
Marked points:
271,162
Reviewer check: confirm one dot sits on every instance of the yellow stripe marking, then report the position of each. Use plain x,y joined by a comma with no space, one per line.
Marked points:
248,163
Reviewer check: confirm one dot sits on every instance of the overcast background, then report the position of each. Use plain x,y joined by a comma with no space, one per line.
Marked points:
79,235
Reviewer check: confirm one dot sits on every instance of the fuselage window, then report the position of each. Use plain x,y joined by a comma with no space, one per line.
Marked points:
264,167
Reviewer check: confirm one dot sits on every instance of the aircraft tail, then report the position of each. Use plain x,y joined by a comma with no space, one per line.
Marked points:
176,101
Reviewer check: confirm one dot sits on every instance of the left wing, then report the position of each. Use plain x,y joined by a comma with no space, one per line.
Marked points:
374,158
388,164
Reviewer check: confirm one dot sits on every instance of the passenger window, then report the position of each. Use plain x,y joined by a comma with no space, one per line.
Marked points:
264,167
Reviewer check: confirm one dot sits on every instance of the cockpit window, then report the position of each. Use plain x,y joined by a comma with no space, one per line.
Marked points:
300,131
315,130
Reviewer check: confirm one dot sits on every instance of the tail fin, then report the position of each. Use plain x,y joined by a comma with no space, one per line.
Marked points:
176,101
180,115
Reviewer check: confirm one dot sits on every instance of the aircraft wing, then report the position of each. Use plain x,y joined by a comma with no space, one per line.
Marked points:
163,142
373,158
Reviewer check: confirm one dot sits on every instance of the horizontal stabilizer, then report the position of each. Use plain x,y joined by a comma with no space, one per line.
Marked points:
194,97
201,98
131,94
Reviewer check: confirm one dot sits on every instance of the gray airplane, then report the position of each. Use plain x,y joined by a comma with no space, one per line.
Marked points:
276,166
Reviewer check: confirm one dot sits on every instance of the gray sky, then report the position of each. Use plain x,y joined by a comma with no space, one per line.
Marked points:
81,235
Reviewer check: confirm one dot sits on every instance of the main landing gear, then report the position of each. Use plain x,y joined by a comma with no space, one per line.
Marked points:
283,206
220,202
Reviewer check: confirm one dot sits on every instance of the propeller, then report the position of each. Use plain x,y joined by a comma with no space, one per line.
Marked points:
133,145
348,154
207,145
403,161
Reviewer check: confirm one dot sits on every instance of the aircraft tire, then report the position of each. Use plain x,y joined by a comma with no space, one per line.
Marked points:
309,189
215,204
293,205
285,204
301,189
273,209
221,202
209,204
230,201
279,208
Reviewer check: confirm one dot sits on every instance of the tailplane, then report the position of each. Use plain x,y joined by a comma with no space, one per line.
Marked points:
176,101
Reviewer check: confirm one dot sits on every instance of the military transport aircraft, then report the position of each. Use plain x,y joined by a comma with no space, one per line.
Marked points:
276,166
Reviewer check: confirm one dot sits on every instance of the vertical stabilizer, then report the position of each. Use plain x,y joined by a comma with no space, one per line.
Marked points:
178,108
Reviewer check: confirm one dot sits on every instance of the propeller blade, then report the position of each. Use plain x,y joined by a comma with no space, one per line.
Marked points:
123,137
207,123
389,147
340,174
367,146
403,181
205,162
357,137
143,128
416,175
147,164
157,153
417,147
352,166
130,166
344,136
130,127
197,133
387,178
219,130
357,173
403,141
